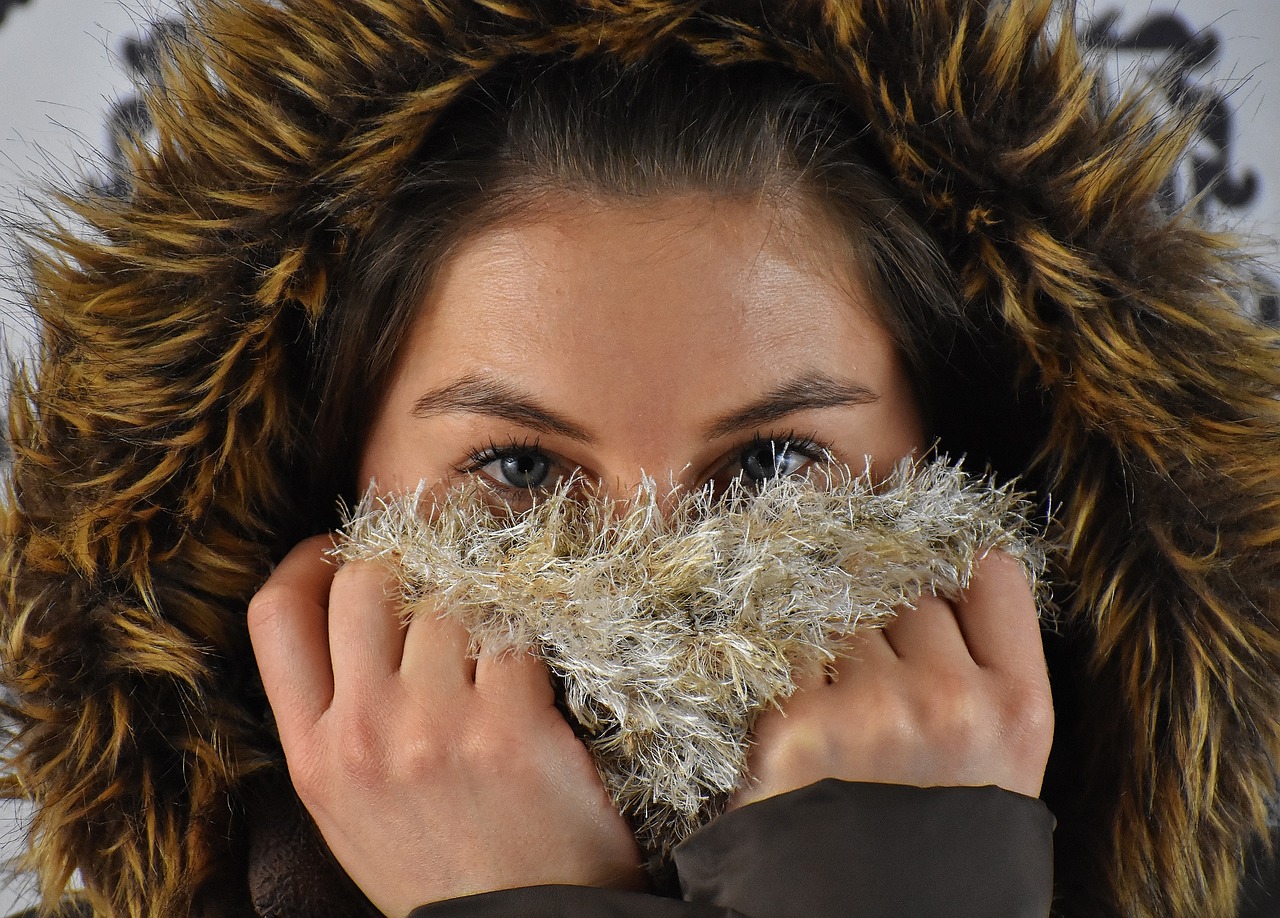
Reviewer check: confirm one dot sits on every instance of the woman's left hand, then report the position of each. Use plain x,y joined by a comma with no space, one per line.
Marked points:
948,693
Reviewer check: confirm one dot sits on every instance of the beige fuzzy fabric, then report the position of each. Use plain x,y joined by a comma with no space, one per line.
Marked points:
669,632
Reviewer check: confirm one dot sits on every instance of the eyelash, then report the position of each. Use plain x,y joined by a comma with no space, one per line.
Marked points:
479,458
807,445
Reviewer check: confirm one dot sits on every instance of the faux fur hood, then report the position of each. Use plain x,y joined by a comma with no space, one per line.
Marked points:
155,444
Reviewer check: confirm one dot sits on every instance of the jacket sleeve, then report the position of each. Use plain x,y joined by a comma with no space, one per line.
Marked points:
877,851
834,848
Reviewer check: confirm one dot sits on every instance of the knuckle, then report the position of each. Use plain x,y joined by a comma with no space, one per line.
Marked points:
430,742
359,751
267,605
950,697
363,574
887,714
954,714
801,749
498,748
1029,717
897,718
422,756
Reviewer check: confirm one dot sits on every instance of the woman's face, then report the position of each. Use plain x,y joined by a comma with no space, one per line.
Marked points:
688,338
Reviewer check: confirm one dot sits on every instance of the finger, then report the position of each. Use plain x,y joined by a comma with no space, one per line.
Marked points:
870,646
813,674
861,655
289,629
366,638
927,633
437,652
997,617
515,678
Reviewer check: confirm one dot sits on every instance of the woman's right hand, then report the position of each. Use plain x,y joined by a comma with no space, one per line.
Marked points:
431,775
948,693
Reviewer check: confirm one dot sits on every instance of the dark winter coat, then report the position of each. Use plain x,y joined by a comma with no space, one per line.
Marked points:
157,446
830,850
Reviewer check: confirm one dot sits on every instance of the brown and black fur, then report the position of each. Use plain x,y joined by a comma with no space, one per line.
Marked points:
156,444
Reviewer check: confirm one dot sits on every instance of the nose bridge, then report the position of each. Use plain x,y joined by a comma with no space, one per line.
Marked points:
628,488
652,450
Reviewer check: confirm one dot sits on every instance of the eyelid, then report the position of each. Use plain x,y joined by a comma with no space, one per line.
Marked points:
801,443
479,458
808,445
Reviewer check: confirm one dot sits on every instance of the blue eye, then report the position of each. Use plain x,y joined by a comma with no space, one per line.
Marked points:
524,470
765,460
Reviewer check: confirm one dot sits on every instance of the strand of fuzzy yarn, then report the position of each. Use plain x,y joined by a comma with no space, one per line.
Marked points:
669,629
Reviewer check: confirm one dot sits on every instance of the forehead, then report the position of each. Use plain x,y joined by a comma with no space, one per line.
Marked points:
654,331
676,283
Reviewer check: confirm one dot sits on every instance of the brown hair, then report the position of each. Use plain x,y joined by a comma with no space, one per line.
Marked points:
668,125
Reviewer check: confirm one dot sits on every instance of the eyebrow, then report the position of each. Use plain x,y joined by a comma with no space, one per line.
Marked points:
812,390
485,395
479,394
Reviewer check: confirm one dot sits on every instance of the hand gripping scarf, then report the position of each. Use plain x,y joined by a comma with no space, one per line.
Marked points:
668,630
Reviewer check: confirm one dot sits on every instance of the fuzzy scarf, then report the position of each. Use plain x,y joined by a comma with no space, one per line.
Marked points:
668,631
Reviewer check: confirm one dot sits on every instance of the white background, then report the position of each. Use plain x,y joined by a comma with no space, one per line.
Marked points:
61,69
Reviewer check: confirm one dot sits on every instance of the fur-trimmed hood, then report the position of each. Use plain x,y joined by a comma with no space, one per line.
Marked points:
154,448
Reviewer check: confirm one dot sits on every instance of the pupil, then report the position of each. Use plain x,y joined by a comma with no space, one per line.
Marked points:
762,462
526,471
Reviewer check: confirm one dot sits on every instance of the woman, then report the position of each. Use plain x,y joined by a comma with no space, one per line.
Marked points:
352,209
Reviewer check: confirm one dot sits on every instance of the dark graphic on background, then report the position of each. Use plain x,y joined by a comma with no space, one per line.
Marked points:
6,5
128,121
1177,58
